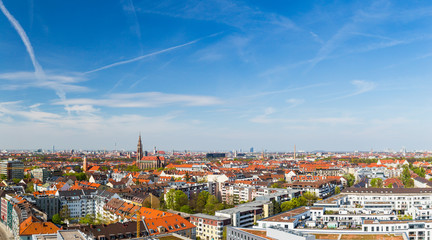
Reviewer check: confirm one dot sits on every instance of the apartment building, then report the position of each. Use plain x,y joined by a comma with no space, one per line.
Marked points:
363,210
79,202
47,201
195,188
236,193
40,173
241,216
234,233
209,227
12,169
322,188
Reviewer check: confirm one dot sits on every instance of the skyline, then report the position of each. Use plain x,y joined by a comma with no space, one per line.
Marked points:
215,75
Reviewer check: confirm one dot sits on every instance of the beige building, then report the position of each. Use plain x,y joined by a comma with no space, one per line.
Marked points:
209,227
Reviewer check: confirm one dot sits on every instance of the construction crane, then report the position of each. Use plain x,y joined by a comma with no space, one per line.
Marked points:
138,223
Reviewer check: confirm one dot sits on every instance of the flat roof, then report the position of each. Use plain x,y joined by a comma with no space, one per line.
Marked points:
71,235
259,233
46,237
384,236
331,199
237,209
202,215
352,190
284,217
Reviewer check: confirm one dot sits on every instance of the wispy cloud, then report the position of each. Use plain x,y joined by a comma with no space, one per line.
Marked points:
228,12
286,90
21,80
130,9
32,114
150,54
267,119
294,102
144,100
372,15
39,72
360,87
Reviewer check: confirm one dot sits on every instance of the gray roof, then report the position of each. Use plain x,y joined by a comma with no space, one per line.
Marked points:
76,193
211,217
237,209
388,190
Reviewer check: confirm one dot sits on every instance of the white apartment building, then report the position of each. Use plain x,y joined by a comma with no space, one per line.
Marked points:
363,211
79,202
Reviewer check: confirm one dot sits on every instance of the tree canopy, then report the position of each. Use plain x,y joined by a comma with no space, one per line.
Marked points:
376,183
350,179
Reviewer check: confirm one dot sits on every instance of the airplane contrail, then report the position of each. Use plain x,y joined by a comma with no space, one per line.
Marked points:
149,55
39,72
24,38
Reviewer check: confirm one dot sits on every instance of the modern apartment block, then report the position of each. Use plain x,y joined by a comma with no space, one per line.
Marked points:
398,211
241,216
12,169
234,233
236,193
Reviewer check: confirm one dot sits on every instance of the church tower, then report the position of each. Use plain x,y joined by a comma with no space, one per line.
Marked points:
139,150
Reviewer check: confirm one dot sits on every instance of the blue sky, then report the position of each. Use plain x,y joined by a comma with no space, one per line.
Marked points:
216,75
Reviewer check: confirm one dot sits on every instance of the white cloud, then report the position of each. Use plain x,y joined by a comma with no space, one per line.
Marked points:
21,80
81,109
362,87
144,100
294,102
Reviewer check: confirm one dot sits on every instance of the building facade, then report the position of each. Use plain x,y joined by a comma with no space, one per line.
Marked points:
12,169
209,227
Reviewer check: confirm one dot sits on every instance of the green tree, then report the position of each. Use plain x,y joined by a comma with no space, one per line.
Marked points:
409,183
288,205
180,199
169,199
376,183
186,209
81,176
30,188
88,219
419,171
406,178
350,179
187,177
201,201
210,206
16,180
56,219
337,190
276,207
302,201
133,168
276,185
65,212
77,168
311,197
3,176
390,185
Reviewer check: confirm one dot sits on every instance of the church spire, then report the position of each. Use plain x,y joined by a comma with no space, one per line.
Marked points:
139,149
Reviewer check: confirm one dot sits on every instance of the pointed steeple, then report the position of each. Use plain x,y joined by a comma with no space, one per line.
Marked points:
139,149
